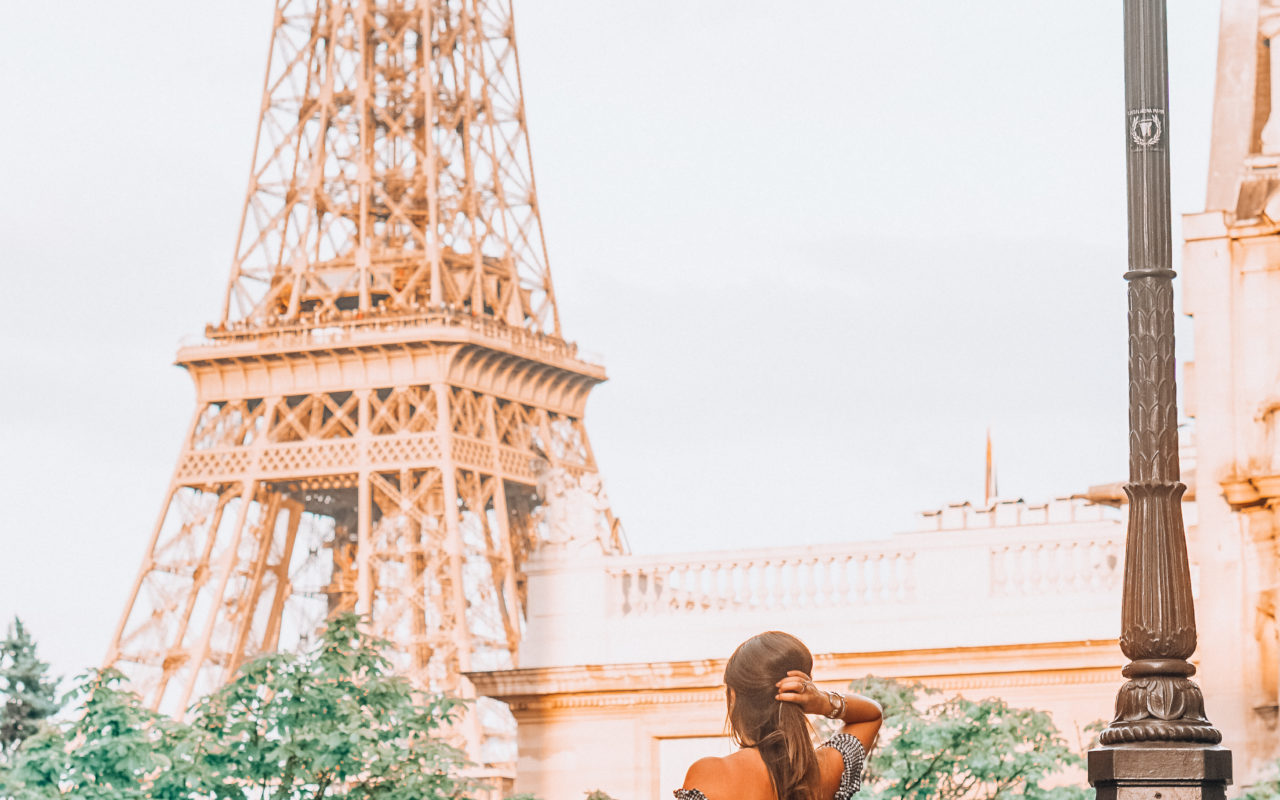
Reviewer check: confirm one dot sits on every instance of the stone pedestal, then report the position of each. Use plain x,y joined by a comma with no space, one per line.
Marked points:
1160,771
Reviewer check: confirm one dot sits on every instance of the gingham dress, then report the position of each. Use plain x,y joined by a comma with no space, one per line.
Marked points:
850,780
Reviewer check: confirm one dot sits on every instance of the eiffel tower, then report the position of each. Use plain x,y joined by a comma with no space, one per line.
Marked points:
386,395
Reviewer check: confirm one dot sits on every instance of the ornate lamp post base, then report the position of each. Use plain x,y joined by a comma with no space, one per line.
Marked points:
1160,771
1159,703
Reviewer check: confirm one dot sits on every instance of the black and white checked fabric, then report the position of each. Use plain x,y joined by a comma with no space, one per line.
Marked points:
854,757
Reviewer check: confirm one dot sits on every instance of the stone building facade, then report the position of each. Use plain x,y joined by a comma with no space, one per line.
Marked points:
620,680
619,685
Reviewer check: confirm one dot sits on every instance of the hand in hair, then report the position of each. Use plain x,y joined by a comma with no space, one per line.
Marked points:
861,715
798,688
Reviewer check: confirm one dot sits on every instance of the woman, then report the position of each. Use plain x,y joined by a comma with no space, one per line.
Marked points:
769,691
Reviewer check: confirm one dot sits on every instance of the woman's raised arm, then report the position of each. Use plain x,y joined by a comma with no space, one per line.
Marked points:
860,714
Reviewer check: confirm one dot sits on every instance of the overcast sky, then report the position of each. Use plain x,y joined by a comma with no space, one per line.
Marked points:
822,246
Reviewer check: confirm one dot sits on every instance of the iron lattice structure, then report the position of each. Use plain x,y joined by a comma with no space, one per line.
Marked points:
392,168
386,410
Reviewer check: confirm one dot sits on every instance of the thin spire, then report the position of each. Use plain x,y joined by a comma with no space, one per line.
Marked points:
990,488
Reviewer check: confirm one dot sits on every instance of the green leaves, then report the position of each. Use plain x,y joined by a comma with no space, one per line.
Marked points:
114,749
957,748
333,723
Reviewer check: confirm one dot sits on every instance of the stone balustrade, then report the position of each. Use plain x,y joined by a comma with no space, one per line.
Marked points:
834,576
1053,577
1067,566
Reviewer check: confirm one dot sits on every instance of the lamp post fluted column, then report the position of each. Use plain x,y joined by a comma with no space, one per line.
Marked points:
1160,736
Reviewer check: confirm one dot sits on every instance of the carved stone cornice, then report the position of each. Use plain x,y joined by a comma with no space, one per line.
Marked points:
623,686
1244,491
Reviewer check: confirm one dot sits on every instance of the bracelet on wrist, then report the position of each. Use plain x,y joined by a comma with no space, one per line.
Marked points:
837,705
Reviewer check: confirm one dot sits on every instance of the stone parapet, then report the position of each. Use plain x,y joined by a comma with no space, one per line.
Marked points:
984,587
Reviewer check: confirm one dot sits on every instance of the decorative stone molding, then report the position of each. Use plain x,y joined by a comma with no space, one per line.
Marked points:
605,687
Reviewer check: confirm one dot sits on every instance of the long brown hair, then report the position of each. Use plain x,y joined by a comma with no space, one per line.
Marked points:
778,730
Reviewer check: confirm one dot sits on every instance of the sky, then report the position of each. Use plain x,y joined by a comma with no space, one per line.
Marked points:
822,247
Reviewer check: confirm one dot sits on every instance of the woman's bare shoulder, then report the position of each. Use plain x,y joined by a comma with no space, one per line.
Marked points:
735,775
706,773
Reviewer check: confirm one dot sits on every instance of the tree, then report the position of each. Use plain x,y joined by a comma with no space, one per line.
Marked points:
115,748
960,749
30,695
333,723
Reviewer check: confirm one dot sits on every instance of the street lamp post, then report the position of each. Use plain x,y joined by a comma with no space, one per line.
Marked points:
1160,740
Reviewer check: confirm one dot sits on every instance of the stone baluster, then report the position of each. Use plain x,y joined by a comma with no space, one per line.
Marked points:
1114,560
694,575
650,598
779,572
1042,557
999,577
629,589
1062,569
645,578
893,580
737,585
689,587
828,565
875,578
1035,568
717,586
715,592
787,571
618,587
844,567
1074,561
1021,570
1056,573
1015,577
1093,566
730,600
673,589
760,585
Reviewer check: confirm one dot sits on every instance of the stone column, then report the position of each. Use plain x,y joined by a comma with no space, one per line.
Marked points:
1268,31
1160,743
